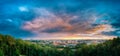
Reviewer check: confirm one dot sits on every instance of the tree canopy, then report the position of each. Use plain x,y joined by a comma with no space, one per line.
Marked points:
16,47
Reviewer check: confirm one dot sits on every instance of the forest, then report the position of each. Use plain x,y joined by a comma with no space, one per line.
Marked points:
9,46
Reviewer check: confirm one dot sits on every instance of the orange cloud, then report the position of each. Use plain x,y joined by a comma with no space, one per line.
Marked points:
66,25
100,28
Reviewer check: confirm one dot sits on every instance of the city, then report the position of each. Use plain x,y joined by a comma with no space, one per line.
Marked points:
67,43
60,28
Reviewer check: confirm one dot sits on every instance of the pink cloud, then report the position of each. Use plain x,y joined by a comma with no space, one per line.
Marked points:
45,20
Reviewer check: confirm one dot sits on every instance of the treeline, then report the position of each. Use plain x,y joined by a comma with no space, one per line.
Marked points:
17,47
108,48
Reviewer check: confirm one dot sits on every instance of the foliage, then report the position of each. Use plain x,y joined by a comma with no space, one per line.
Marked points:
16,47
108,48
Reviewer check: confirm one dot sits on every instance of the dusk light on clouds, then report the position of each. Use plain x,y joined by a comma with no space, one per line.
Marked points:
60,19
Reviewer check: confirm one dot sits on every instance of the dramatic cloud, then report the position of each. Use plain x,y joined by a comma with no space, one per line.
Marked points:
52,25
101,28
48,21
60,19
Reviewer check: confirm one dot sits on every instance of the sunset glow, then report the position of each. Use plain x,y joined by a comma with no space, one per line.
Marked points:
64,19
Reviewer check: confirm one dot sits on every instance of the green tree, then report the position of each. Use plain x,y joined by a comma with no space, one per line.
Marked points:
1,53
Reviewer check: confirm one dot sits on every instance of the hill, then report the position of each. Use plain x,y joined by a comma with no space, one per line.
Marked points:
18,47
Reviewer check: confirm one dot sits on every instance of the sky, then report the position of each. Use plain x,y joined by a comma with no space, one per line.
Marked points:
60,19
